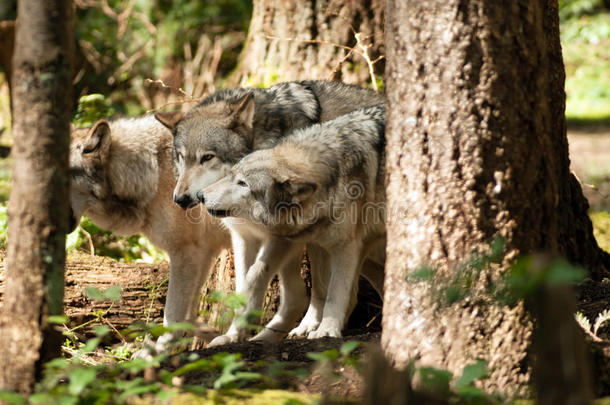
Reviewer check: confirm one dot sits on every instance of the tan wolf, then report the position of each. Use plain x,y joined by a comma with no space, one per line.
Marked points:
122,178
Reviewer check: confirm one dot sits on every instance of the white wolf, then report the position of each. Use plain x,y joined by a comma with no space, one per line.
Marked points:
322,185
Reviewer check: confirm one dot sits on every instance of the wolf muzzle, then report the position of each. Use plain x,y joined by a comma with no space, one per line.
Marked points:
185,201
200,197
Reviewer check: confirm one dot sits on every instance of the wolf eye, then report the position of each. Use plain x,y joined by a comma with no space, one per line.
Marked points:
206,157
179,155
242,183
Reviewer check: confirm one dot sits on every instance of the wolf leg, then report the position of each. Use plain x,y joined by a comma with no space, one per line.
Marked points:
245,250
320,278
345,263
293,298
189,269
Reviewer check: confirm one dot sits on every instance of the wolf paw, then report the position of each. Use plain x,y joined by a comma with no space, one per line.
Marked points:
324,332
304,329
268,335
151,348
224,340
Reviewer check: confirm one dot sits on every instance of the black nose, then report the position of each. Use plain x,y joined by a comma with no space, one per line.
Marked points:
201,197
185,201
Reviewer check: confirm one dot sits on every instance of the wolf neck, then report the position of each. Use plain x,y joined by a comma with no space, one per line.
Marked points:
275,116
140,151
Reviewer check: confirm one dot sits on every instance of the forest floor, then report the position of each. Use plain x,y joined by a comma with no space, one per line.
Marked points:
144,288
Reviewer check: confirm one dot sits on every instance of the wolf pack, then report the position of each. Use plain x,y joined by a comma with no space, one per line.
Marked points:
271,173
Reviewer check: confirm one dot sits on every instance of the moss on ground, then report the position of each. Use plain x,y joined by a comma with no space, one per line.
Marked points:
601,228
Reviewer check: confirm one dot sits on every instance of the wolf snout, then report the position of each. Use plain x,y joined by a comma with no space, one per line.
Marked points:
201,197
185,201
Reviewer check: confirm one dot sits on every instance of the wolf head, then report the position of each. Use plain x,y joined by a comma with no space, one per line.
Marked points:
89,148
264,190
208,141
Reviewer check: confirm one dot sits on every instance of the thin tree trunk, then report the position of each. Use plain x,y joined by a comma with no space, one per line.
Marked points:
477,150
38,207
292,40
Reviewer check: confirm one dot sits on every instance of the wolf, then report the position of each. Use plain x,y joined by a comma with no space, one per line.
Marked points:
212,137
324,186
121,175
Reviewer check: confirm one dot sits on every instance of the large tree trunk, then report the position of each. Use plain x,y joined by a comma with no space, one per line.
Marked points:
38,207
477,150
292,40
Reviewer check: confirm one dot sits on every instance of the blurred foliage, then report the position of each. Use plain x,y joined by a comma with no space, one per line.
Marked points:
123,43
585,35
131,249
601,228
569,9
92,108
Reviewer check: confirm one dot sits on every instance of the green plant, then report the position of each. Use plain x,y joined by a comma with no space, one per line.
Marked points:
524,277
91,238
232,305
91,108
330,360
460,390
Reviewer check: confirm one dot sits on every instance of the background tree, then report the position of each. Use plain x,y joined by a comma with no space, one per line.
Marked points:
477,150
8,10
38,209
293,40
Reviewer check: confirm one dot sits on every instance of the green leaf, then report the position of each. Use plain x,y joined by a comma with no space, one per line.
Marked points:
41,398
436,380
327,355
421,274
80,378
94,293
101,330
57,319
348,347
90,346
471,373
561,272
165,395
113,293
11,397
470,392
203,364
137,390
180,326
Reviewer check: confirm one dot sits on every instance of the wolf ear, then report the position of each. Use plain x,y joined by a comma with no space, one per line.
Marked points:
242,111
298,189
170,119
98,139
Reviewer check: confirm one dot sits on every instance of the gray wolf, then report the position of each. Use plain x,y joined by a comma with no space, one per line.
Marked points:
323,186
212,137
121,175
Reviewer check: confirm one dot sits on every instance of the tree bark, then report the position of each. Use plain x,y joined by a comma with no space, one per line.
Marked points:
293,40
38,207
477,150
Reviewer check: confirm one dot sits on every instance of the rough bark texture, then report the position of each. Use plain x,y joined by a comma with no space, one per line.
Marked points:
38,207
477,149
292,40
